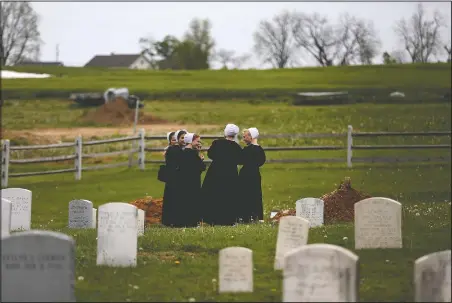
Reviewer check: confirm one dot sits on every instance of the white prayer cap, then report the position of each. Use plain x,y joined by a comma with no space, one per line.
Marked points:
168,135
188,138
231,130
253,132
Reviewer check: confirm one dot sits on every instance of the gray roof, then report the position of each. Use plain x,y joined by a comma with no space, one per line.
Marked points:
112,60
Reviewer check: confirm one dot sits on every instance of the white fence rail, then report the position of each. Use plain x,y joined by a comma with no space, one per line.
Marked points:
78,154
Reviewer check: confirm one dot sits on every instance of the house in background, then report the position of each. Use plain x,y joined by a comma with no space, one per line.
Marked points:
38,63
137,61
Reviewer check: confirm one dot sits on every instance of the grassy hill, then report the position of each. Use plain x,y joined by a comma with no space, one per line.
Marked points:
221,84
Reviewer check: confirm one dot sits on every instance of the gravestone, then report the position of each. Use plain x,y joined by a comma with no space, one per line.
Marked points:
236,270
6,217
140,222
21,207
320,273
80,214
117,234
292,233
432,279
38,266
310,209
94,217
378,223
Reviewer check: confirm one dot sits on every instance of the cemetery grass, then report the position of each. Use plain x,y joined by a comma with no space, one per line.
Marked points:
180,264
218,82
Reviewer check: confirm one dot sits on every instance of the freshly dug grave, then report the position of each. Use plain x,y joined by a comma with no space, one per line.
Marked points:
119,113
152,208
338,205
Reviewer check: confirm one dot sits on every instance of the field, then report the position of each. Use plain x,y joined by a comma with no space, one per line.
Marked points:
364,81
182,264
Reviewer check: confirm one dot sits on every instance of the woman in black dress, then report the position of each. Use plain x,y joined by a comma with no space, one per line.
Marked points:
253,157
172,193
220,187
192,165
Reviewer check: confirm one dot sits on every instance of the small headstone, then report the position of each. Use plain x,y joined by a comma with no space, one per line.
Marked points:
94,217
141,214
236,270
80,214
432,279
292,233
21,207
310,209
6,217
38,266
320,273
117,234
378,223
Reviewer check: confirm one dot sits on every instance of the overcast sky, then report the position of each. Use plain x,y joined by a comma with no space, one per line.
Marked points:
85,29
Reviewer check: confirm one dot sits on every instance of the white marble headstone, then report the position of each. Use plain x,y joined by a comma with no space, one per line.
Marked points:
378,223
80,214
141,219
117,233
310,209
292,233
236,270
38,266
432,279
94,217
21,207
320,273
6,217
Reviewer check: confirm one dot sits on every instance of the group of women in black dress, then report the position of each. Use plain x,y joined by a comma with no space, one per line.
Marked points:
226,196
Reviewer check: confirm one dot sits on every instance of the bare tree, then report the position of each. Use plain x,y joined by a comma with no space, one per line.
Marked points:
239,61
399,56
273,40
447,48
314,34
421,36
225,57
19,33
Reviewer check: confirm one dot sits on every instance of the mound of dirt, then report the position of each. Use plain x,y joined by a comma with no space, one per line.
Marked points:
338,205
119,113
152,208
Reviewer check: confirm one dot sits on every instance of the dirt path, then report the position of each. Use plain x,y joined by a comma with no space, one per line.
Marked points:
55,135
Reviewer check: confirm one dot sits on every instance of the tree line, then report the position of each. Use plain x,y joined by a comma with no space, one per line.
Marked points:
287,40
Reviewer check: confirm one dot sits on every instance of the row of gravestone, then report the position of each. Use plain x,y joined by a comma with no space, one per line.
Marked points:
40,266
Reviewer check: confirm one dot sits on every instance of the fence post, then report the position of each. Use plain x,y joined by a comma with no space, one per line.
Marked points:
5,163
141,147
78,158
349,145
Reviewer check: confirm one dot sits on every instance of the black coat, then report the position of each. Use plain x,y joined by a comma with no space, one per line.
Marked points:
190,169
220,188
251,208
172,193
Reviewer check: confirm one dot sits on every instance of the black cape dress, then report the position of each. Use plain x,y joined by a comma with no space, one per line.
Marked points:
172,192
220,187
251,206
190,206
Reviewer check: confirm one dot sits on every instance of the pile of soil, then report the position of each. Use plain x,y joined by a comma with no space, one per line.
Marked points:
118,112
338,205
152,208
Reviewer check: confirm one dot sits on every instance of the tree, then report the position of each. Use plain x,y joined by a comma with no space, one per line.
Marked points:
420,35
447,48
161,53
200,39
314,34
399,56
387,59
225,57
273,40
19,33
240,60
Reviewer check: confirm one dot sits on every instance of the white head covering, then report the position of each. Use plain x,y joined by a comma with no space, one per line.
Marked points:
231,130
253,132
168,136
177,133
188,138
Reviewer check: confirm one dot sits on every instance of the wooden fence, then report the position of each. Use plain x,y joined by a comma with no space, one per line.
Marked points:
141,138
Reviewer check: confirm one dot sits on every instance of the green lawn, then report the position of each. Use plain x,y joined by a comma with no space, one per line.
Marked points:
235,83
385,275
